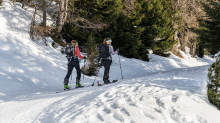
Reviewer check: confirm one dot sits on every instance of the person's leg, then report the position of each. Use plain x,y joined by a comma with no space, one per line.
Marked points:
107,69
78,73
66,79
104,64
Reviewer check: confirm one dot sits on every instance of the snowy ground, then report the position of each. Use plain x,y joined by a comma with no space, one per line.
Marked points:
164,90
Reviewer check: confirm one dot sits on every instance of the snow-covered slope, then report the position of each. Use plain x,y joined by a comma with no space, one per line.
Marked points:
25,66
164,90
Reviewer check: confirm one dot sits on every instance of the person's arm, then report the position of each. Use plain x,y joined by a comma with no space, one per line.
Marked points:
78,53
112,50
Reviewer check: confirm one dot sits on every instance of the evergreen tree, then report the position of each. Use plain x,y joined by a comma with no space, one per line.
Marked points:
209,29
98,10
158,23
92,57
126,34
201,51
214,83
77,33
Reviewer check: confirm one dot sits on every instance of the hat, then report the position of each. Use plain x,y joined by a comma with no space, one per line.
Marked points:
109,41
74,42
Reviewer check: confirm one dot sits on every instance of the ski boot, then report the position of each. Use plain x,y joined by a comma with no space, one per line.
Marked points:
106,81
66,86
78,85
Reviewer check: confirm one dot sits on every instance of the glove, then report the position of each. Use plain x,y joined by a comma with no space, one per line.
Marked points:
84,57
117,50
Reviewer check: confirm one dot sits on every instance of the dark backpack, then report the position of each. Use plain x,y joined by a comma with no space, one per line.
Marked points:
69,51
103,50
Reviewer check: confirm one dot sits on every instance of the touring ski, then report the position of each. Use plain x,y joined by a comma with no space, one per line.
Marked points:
108,83
85,86
73,88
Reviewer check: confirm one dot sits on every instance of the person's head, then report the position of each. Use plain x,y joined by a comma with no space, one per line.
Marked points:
107,41
74,42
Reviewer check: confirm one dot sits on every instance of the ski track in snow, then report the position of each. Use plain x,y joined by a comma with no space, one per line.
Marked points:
164,90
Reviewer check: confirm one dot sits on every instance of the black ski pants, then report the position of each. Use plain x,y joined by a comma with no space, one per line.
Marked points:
106,63
71,65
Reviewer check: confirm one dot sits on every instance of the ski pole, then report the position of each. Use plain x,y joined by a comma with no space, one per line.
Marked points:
71,78
84,71
120,66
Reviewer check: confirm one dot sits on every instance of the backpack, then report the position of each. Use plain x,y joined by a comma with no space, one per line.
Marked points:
69,51
103,50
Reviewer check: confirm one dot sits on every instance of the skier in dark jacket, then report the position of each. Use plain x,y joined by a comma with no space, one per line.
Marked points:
106,62
73,62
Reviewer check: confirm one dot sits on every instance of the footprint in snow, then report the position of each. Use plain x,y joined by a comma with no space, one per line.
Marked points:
136,89
129,99
115,106
141,99
132,121
175,115
107,94
99,104
125,111
160,103
148,115
179,117
201,120
107,110
158,110
133,104
174,98
118,117
100,117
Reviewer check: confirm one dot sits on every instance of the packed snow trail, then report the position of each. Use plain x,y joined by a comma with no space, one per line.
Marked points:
169,97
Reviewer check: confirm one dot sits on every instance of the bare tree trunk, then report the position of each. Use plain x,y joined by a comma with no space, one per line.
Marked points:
32,30
23,3
14,2
65,15
44,13
60,18
30,2
58,21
